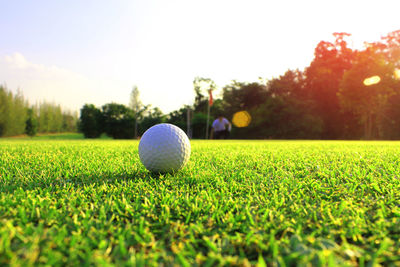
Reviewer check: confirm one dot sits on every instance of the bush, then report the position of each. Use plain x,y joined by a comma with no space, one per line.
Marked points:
90,121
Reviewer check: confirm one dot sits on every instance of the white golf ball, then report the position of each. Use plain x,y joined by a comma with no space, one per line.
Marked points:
164,148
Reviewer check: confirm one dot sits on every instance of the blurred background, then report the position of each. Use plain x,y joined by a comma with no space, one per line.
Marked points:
284,70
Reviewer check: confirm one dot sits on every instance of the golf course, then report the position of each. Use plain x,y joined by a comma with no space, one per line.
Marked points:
236,203
200,133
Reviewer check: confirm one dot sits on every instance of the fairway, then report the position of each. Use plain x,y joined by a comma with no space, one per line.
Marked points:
82,202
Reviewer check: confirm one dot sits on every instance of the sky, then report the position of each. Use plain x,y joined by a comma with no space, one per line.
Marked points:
95,51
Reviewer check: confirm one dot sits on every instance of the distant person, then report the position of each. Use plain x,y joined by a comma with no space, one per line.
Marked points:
220,128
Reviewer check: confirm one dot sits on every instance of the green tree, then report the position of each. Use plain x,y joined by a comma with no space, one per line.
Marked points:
369,103
284,112
199,122
12,112
137,106
50,117
18,114
69,122
243,96
201,86
3,110
31,124
151,117
14,115
179,118
239,96
118,121
282,118
90,121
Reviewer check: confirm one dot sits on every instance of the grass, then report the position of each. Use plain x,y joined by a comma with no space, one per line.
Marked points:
54,136
286,203
47,136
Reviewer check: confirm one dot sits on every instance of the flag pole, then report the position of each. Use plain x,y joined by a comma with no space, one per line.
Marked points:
208,118
210,103
188,131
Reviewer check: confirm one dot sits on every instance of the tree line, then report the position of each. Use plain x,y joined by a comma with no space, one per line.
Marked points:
18,117
117,121
329,99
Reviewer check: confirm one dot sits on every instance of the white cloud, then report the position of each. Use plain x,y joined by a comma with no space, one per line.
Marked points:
17,61
72,90
51,83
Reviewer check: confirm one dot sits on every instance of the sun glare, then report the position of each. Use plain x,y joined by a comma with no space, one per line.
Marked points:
397,74
372,80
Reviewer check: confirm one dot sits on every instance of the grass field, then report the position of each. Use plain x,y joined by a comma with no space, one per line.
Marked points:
55,136
286,203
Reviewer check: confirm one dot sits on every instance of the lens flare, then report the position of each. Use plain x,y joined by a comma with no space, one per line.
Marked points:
397,74
241,119
372,80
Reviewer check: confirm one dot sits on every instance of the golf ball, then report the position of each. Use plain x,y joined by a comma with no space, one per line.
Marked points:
164,148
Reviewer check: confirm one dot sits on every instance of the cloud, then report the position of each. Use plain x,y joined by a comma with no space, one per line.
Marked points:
72,90
39,82
18,61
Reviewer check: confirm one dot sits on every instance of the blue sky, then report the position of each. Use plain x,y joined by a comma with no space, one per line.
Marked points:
76,52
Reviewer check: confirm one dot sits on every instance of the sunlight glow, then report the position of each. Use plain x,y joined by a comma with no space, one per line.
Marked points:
372,80
397,74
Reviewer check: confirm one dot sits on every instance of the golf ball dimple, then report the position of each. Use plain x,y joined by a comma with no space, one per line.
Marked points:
164,148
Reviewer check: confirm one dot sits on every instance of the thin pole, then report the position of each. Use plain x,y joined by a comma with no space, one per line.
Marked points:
189,134
208,118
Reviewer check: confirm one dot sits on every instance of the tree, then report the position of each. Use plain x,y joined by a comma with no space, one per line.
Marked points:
243,96
283,113
12,112
369,103
391,127
151,117
323,77
199,121
179,117
3,110
90,121
69,122
137,106
118,121
390,47
201,86
14,115
31,124
282,118
50,117
17,114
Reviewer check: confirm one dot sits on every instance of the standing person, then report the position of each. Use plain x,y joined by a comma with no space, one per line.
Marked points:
220,128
